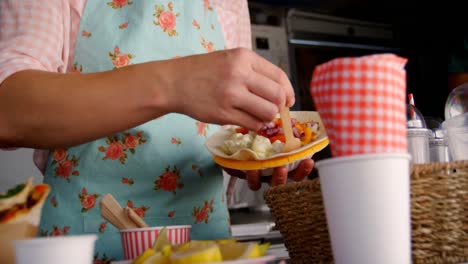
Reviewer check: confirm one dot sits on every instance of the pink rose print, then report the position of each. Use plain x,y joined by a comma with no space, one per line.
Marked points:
65,164
64,169
119,59
116,4
202,127
128,181
195,24
202,214
171,214
88,201
86,34
131,141
102,227
120,144
176,141
103,260
56,231
77,69
207,5
195,168
60,155
60,232
53,201
140,211
208,45
166,19
123,25
115,150
169,180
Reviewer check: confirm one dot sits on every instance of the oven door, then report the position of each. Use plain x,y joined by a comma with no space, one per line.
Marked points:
315,38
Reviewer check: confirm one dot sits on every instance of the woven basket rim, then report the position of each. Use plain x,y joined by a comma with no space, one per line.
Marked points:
434,166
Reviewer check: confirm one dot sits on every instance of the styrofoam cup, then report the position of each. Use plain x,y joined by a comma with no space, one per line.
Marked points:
77,249
367,204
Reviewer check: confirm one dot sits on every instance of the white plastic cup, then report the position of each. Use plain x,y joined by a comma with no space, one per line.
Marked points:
367,204
76,249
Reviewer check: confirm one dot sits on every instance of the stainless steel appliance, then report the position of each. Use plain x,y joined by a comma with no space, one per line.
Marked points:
316,38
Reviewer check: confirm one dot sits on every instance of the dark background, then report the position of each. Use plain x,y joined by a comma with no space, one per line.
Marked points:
428,33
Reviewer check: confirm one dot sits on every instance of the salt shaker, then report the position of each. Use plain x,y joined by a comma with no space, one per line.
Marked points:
438,147
418,136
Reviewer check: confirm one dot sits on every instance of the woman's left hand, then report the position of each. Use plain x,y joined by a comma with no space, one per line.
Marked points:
280,175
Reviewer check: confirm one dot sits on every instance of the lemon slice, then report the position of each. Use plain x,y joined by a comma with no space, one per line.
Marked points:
157,258
197,252
162,241
264,248
225,241
145,255
194,244
235,251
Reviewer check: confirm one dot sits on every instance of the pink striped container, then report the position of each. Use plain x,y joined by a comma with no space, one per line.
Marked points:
137,240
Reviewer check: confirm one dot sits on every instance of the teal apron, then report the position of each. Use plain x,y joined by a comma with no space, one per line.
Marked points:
161,169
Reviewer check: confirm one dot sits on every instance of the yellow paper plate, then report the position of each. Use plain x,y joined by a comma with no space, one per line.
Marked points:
246,159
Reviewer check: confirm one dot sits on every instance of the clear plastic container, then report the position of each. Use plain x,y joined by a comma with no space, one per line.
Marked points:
456,131
457,102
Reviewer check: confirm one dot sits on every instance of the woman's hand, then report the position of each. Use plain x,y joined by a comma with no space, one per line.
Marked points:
280,175
236,87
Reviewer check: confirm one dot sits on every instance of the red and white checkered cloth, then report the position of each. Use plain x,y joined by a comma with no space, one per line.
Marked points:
361,101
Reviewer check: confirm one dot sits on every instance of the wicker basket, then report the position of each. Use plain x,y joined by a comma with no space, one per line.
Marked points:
439,216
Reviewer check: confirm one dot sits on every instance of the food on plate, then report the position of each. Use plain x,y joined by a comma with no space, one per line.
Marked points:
270,139
199,251
18,201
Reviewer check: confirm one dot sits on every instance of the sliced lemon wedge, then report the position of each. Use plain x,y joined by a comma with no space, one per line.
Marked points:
157,258
197,252
162,241
141,258
226,240
248,250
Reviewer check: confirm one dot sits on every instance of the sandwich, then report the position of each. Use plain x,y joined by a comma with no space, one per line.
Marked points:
23,203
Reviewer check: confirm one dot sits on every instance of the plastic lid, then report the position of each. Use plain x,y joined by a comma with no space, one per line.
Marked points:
414,118
457,102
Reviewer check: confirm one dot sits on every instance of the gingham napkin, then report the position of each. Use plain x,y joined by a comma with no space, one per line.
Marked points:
361,101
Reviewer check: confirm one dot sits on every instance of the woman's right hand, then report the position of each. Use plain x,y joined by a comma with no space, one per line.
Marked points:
226,87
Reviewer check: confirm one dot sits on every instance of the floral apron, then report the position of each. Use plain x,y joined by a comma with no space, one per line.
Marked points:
161,169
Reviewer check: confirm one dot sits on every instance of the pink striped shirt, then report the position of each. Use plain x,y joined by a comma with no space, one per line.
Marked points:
41,35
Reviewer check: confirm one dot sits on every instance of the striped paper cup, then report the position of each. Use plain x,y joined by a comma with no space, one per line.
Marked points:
137,240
